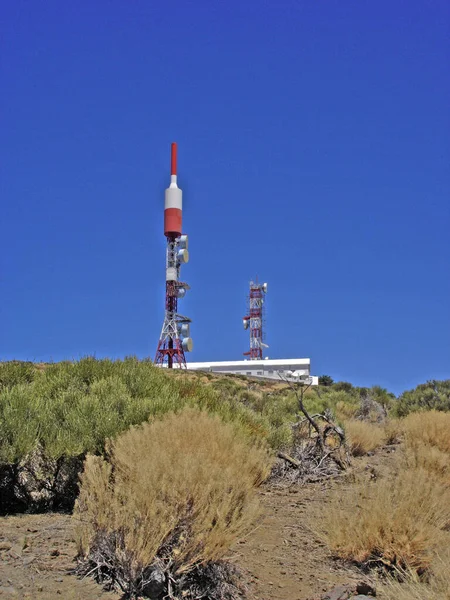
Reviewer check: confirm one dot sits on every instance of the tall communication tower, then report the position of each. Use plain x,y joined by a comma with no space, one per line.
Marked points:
175,337
254,320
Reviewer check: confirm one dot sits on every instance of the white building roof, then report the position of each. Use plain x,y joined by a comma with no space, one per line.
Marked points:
278,362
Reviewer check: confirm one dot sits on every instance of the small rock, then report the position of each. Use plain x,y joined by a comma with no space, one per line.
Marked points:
29,559
5,545
8,592
59,580
15,551
360,591
340,592
156,583
365,589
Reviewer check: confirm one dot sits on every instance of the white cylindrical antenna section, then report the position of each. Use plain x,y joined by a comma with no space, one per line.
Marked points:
173,214
188,344
171,274
181,292
245,323
264,287
183,256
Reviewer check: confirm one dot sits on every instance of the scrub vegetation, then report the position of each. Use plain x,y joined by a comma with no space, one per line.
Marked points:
401,522
70,408
363,437
398,521
153,506
172,460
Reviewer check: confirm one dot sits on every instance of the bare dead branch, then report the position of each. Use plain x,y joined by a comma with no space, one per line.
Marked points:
293,461
315,453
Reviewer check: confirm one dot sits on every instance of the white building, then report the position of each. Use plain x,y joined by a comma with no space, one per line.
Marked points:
295,369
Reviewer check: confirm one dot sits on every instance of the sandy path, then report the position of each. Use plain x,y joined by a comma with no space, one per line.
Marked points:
283,557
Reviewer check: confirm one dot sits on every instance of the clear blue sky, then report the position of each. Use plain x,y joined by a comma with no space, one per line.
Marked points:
314,146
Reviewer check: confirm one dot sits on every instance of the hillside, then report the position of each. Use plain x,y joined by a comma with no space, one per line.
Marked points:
389,477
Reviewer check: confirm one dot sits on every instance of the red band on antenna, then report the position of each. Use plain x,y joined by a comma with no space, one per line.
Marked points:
174,159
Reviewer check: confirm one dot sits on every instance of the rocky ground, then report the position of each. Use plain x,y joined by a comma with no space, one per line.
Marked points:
282,559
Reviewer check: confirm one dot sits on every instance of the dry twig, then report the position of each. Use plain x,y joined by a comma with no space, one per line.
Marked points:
311,457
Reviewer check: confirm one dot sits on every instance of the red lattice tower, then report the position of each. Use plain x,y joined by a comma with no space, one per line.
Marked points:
254,320
175,337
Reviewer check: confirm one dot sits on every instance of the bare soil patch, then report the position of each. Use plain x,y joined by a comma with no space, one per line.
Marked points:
37,557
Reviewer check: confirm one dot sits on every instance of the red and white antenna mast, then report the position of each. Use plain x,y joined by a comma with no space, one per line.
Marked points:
254,320
175,337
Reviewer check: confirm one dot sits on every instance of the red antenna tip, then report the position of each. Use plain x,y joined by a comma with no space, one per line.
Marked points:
173,170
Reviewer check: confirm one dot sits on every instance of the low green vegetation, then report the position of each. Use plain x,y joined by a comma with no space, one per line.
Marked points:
71,408
433,395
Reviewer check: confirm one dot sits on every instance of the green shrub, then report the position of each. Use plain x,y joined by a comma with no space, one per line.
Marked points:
19,423
71,408
343,386
325,380
433,395
15,372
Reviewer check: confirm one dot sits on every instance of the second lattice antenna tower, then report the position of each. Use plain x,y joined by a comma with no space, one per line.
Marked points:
254,320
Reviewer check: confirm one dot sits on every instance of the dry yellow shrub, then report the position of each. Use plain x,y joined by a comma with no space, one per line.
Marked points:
393,431
181,489
363,437
399,521
427,443
436,586
431,428
430,458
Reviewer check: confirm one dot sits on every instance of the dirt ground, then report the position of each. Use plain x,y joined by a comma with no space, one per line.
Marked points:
281,559
37,557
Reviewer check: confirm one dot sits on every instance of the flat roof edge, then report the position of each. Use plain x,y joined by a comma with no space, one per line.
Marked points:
251,363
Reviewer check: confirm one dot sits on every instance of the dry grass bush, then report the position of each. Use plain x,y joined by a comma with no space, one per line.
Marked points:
398,521
363,437
430,458
176,492
427,443
393,431
436,586
431,428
